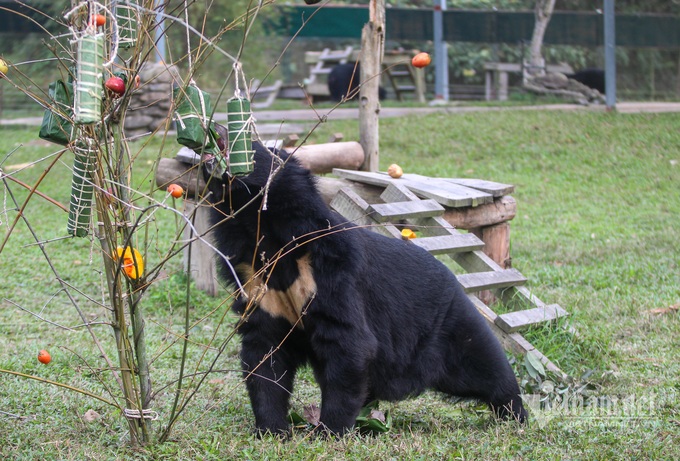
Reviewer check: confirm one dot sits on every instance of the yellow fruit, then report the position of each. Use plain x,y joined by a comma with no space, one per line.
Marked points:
407,234
395,171
133,264
3,68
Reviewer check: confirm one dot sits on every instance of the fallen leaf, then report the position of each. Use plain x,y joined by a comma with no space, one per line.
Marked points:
377,414
665,310
91,416
312,413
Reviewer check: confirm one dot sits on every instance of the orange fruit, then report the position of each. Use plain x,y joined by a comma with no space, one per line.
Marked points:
175,190
44,357
421,60
99,20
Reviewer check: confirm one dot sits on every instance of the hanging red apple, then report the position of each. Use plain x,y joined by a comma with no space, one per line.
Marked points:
115,84
421,60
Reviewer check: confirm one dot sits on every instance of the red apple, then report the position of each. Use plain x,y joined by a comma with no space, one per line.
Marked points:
421,60
115,84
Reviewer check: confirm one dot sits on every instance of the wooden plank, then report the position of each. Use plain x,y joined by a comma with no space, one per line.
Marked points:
514,342
448,195
478,196
350,205
383,212
496,189
476,261
479,281
514,321
396,192
446,244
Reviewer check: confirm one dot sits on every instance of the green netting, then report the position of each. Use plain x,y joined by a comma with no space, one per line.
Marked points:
126,16
239,120
87,106
80,205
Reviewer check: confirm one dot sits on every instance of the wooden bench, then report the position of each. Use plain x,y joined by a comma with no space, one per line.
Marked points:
496,77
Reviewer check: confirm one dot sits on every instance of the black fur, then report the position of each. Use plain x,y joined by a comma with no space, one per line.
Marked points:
386,320
592,78
343,81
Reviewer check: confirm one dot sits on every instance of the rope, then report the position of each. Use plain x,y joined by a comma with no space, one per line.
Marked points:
144,414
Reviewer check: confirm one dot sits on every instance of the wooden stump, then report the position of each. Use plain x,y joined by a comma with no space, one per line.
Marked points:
199,259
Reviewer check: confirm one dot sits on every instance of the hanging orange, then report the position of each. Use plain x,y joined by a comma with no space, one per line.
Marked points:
421,60
175,190
133,264
98,20
44,357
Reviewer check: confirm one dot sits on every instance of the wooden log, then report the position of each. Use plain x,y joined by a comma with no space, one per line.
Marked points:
322,158
500,210
496,240
173,171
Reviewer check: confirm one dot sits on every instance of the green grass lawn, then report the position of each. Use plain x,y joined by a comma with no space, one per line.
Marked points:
597,231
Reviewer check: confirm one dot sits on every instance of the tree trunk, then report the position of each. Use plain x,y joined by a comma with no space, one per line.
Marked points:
372,47
542,13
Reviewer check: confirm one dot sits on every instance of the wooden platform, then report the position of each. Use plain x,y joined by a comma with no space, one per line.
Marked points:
421,204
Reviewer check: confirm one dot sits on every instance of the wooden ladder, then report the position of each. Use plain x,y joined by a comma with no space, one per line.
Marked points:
441,238
403,79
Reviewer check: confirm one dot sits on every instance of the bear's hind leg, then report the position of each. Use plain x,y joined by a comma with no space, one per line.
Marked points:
477,368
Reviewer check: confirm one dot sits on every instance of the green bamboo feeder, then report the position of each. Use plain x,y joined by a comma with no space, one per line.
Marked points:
82,190
239,120
192,115
126,17
87,106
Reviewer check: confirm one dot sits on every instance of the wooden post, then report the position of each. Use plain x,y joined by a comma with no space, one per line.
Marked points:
496,240
372,48
201,268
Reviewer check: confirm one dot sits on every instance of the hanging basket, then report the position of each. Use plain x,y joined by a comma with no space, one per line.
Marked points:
80,205
239,120
57,123
192,114
87,106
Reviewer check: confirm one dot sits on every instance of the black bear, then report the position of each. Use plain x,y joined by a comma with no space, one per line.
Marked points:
343,82
592,78
377,318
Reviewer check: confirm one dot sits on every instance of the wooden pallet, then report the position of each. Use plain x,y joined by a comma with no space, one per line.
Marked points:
402,206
